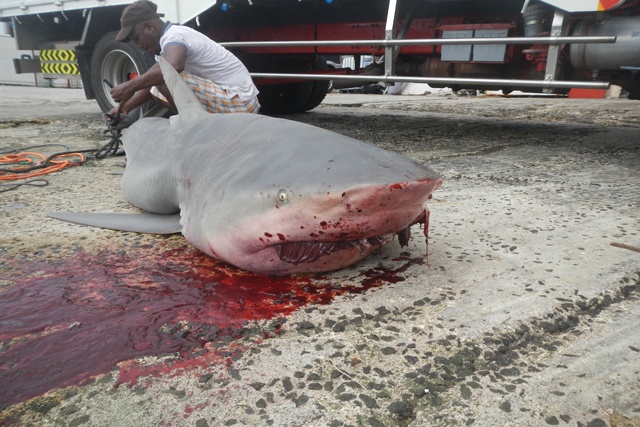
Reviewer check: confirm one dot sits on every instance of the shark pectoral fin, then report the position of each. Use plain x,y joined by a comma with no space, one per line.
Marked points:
139,223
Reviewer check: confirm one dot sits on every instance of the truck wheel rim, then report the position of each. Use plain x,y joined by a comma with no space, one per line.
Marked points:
118,67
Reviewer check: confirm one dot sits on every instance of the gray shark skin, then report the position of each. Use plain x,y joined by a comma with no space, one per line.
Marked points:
267,195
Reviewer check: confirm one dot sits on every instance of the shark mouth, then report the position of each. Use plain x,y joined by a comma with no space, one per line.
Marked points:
301,252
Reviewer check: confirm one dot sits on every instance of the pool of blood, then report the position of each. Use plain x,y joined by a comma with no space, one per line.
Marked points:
66,321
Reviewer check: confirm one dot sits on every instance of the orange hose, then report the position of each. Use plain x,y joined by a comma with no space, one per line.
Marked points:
27,158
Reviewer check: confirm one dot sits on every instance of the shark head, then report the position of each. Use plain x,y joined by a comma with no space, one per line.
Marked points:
298,233
292,198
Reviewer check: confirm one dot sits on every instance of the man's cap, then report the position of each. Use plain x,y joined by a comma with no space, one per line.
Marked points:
137,12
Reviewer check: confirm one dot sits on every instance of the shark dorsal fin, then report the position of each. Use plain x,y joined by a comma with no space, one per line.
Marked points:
186,102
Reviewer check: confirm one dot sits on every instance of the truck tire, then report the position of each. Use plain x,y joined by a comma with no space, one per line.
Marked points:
293,98
116,62
286,98
320,87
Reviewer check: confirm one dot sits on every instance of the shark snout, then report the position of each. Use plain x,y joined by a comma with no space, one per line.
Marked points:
398,196
373,210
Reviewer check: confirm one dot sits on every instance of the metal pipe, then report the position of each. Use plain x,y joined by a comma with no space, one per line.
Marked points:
389,64
557,29
464,82
429,42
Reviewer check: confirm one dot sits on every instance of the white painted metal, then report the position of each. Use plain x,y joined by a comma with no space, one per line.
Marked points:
581,5
389,65
8,75
175,10
557,28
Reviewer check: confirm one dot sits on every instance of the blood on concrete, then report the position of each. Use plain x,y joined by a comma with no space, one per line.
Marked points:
66,321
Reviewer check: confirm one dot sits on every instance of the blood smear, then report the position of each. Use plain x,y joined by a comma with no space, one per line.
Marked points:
66,321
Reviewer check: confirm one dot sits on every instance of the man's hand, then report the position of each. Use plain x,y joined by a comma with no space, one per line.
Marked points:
123,92
115,111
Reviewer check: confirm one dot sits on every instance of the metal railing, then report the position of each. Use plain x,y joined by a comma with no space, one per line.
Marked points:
391,46
389,76
427,42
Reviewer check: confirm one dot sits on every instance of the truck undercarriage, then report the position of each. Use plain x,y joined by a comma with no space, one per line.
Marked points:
535,46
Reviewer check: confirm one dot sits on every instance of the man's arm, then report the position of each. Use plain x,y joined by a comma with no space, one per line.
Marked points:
135,92
125,91
139,98
176,55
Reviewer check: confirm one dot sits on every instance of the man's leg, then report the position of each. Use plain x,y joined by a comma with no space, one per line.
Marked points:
162,96
215,99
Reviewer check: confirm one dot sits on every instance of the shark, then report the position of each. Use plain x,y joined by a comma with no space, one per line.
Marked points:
268,195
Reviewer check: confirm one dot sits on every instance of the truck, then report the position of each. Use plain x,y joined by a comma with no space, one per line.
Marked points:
546,46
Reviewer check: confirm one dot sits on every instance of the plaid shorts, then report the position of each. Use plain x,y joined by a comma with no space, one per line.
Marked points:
214,98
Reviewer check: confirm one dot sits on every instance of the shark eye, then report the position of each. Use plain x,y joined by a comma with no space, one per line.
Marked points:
283,196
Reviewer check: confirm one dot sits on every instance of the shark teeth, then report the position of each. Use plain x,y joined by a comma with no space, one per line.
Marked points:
301,252
305,252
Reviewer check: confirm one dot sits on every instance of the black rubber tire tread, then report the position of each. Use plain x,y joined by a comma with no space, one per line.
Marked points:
290,98
320,87
286,98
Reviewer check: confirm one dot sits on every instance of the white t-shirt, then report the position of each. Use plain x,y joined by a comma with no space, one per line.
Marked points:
207,59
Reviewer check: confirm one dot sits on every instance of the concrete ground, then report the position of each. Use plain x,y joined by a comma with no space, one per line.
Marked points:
525,314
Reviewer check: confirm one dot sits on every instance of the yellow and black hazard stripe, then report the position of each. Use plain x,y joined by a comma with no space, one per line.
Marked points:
58,62
57,55
58,68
